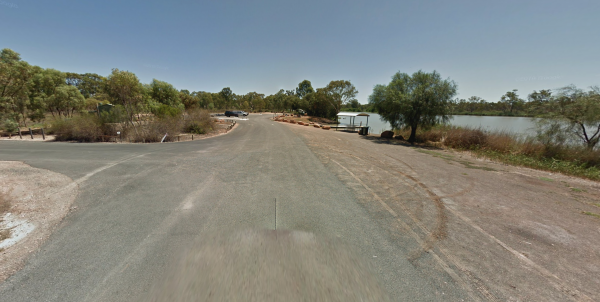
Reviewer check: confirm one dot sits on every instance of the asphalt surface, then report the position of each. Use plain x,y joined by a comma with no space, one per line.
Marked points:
143,209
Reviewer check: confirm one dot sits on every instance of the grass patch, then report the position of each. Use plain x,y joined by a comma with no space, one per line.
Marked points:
436,154
4,207
466,164
578,190
591,214
469,165
546,164
546,179
508,148
4,204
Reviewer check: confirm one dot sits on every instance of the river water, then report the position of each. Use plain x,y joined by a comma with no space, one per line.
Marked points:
515,125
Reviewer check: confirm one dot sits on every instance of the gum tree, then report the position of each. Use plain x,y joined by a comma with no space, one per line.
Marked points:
411,101
581,112
124,88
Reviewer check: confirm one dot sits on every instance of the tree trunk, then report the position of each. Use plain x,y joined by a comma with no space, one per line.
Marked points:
413,134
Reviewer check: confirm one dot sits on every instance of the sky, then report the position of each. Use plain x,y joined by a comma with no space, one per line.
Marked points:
486,47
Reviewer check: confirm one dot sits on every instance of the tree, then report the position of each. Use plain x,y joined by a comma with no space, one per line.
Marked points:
581,112
227,96
319,104
124,88
15,75
165,93
538,100
66,100
304,88
43,87
512,101
341,92
411,101
189,100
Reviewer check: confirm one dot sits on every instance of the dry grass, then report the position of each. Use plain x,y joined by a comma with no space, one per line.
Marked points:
4,204
4,207
573,160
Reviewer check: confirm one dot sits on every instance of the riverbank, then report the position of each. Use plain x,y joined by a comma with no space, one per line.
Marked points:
502,233
514,150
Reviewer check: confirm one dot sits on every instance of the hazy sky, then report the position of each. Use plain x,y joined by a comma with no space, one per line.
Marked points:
487,47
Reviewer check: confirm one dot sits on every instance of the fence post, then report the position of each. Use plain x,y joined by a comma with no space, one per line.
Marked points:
31,133
43,134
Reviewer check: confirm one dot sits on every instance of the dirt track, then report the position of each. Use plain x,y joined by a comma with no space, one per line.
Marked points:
503,233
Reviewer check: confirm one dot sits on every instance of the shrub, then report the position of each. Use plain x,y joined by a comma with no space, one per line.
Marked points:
154,131
164,111
82,128
198,121
10,125
464,138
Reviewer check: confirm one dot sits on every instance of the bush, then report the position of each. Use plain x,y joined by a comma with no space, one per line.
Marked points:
198,122
82,128
164,111
463,138
10,125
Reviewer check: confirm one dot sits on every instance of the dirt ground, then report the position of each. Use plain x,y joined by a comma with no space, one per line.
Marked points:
39,199
502,233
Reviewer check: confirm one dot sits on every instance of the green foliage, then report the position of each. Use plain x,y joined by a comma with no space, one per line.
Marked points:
15,76
82,128
339,93
163,111
124,88
512,101
164,93
116,115
227,96
88,84
411,101
66,100
319,104
579,112
9,125
195,128
528,152
304,88
198,122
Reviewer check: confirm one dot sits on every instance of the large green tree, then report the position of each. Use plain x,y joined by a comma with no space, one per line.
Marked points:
304,88
124,88
580,111
43,88
227,97
340,93
411,101
165,93
512,101
66,100
15,76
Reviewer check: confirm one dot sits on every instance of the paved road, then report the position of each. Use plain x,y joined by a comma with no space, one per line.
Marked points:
143,207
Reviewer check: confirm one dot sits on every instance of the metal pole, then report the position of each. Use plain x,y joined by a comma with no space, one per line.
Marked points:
31,133
43,134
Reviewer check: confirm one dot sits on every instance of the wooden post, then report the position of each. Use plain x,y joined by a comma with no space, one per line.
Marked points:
43,134
31,133
20,134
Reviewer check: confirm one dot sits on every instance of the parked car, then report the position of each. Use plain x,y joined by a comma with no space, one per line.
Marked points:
236,113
